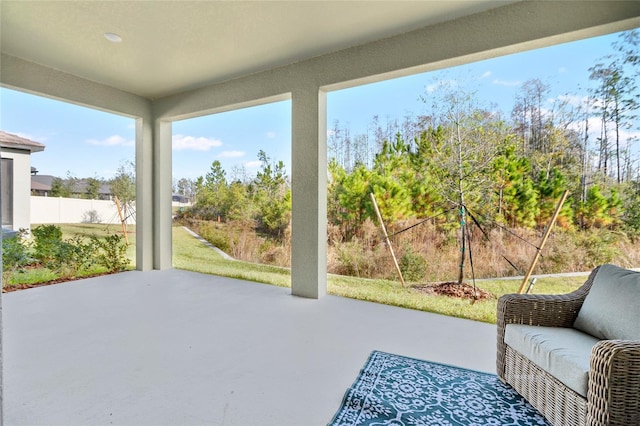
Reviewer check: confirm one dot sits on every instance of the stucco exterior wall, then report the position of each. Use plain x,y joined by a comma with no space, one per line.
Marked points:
21,187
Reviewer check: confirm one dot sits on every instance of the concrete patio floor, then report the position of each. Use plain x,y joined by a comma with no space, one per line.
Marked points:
180,348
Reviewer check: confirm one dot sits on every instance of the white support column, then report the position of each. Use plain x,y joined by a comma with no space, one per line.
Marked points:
309,193
162,195
144,194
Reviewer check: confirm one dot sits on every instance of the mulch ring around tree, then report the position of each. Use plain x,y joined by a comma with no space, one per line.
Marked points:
453,289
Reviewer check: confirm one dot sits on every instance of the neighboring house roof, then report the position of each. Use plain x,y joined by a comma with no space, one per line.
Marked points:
82,185
41,182
37,186
9,140
44,183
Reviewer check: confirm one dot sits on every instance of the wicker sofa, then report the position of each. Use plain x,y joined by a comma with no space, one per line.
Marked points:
576,357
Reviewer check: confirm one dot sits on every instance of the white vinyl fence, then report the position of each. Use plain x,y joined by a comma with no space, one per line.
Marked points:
75,210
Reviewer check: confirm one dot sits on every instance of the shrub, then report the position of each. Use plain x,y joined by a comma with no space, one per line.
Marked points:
246,244
47,240
352,258
413,266
601,246
68,257
111,252
72,256
15,255
216,236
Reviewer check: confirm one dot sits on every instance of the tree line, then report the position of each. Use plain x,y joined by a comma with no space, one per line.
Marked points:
464,160
510,170
262,203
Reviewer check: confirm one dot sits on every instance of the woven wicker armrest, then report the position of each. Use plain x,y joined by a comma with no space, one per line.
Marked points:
614,383
558,310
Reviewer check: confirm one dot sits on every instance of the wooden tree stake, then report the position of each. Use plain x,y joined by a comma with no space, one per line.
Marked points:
122,220
386,236
547,231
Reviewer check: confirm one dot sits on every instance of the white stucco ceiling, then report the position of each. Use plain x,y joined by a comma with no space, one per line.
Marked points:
173,46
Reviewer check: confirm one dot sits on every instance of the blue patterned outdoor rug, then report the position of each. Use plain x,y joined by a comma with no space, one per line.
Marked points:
399,391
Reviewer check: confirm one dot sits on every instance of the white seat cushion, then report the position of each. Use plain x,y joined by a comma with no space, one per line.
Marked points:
562,352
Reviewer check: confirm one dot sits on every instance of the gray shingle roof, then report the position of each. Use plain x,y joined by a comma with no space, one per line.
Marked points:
41,182
9,140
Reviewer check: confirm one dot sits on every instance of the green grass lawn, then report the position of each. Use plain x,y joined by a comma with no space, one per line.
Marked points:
190,254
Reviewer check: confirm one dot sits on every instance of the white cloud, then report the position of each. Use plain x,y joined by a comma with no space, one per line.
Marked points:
182,142
252,164
231,154
574,100
595,132
508,83
431,88
486,74
442,85
271,135
562,70
115,140
629,135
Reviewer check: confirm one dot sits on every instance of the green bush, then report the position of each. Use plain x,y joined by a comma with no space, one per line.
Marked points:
413,266
356,259
72,256
601,245
15,255
216,236
111,252
47,241
69,257
631,216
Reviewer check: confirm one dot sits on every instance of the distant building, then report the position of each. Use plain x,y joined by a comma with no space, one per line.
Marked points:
15,180
179,198
81,186
41,186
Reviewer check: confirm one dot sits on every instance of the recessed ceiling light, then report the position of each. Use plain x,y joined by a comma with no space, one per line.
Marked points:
113,37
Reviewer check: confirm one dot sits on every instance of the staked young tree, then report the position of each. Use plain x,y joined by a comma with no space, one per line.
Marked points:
123,186
93,189
472,136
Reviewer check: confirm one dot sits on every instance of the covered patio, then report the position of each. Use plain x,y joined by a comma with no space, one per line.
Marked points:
180,348
161,346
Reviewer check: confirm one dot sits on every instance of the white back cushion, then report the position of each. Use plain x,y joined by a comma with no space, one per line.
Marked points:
611,310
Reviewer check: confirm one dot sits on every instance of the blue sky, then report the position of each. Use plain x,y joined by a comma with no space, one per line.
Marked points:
90,143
